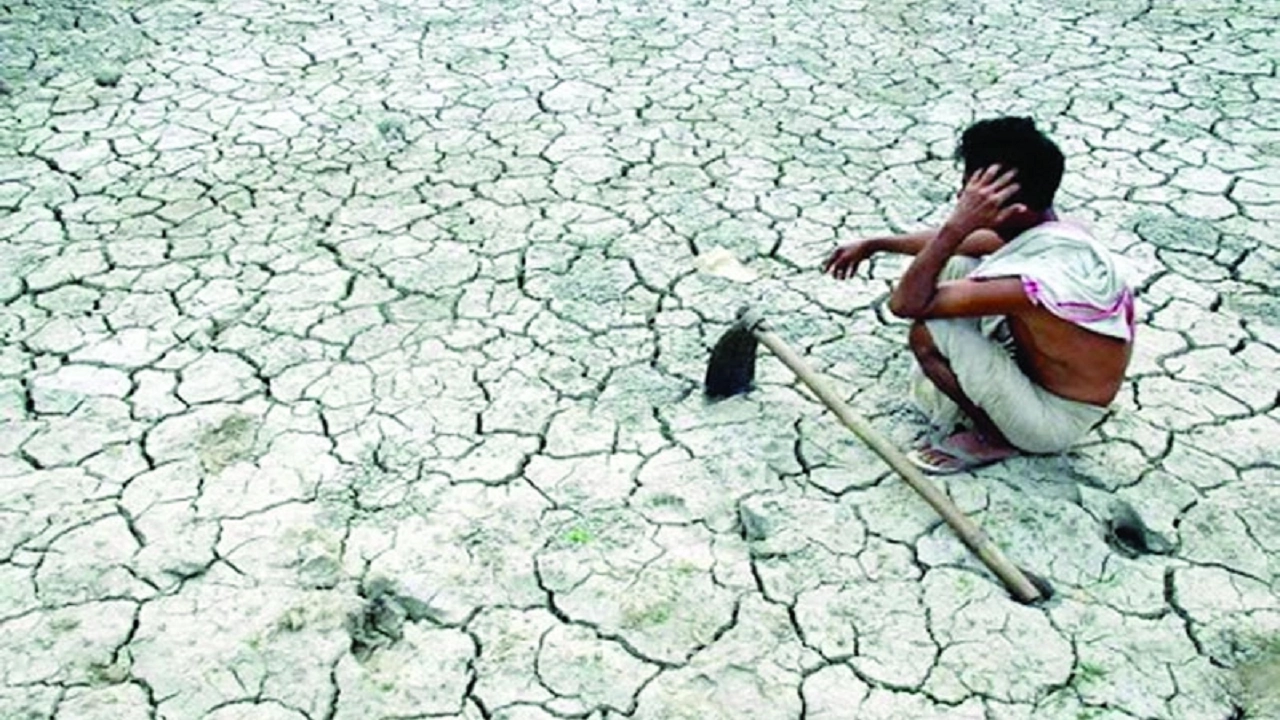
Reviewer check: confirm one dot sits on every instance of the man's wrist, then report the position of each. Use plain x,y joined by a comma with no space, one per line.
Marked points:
951,232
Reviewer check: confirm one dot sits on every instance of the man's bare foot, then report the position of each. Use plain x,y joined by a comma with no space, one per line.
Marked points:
962,451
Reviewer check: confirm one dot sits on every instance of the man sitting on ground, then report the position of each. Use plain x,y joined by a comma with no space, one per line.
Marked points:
1023,325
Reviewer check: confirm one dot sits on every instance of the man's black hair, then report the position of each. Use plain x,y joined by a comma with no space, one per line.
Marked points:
1014,142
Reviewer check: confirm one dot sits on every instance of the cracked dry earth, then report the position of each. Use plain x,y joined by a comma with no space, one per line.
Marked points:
351,362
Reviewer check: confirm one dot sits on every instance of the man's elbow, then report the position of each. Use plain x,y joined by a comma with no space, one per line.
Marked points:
904,308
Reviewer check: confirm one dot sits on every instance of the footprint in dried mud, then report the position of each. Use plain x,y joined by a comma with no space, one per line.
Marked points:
1129,535
107,77
379,623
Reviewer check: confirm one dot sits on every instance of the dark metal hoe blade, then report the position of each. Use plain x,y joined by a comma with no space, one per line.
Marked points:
732,368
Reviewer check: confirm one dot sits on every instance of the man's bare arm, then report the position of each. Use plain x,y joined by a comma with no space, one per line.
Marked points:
975,244
981,205
845,260
915,292
971,298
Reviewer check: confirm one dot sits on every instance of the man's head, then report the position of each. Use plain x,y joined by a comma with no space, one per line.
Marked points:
1014,142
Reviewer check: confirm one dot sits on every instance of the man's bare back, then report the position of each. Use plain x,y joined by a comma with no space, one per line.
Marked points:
1068,360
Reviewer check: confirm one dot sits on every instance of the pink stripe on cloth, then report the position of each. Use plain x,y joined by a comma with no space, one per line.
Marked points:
1081,312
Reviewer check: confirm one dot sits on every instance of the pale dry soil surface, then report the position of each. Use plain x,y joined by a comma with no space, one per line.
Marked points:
350,362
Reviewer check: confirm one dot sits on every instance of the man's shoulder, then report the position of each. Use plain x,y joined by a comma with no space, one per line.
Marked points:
1080,239
1060,228
1058,237
1054,251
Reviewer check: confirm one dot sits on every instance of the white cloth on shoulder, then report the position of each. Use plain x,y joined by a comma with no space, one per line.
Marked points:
1064,270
